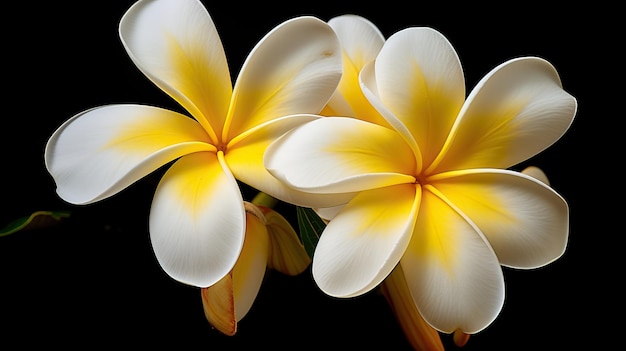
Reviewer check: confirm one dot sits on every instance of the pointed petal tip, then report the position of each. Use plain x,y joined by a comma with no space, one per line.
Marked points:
219,305
460,338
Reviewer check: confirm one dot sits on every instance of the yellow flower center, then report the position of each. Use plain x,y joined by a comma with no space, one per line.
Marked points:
221,147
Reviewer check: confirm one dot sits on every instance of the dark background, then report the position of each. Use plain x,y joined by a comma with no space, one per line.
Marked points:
93,280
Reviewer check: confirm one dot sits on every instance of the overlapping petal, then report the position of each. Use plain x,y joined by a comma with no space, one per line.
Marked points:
294,69
516,111
341,155
363,244
287,253
245,159
176,45
218,303
453,274
525,221
197,220
101,151
251,266
536,173
360,42
418,85
328,213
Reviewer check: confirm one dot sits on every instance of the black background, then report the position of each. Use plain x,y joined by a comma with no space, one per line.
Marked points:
93,280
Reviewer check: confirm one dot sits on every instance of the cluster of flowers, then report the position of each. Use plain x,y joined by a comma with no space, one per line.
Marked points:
412,178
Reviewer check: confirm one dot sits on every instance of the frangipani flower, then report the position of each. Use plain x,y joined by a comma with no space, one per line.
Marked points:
197,219
434,193
361,41
270,243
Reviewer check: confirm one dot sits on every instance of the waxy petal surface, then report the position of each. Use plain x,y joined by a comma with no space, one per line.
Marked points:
245,159
338,154
360,39
101,151
218,303
176,45
287,253
197,220
328,213
420,85
360,42
525,221
294,69
251,266
363,244
515,112
453,274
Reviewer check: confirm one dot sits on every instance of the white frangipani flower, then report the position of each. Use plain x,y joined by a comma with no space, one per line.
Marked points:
197,218
433,189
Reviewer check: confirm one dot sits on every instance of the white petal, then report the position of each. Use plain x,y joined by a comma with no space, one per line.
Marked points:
367,79
419,80
365,241
360,39
197,220
360,42
294,69
328,213
340,155
515,112
451,270
176,45
245,159
525,221
101,151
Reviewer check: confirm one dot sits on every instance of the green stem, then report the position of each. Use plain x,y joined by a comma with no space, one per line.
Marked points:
262,199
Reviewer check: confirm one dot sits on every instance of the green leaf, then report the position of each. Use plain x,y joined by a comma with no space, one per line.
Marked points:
37,220
311,227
